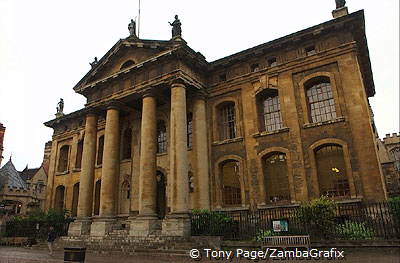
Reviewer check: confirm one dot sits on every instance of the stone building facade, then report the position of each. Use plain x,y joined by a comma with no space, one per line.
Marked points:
2,132
24,191
164,131
389,156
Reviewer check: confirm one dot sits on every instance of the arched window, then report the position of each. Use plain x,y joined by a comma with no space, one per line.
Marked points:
127,64
276,178
63,159
331,171
125,197
59,198
161,137
226,121
270,111
231,190
127,144
100,150
75,197
189,130
78,161
321,104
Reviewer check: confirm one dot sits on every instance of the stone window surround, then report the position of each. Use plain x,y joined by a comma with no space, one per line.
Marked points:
304,102
262,188
53,200
217,190
99,134
258,102
215,111
67,142
346,156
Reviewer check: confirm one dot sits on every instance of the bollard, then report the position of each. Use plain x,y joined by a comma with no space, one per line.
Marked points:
74,254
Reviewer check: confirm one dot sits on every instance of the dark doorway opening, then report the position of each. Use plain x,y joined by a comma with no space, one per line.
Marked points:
161,195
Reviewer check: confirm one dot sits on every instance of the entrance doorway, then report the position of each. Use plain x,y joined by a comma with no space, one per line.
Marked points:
161,195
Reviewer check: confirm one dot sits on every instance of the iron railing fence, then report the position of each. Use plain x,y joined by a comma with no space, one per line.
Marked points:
351,221
35,229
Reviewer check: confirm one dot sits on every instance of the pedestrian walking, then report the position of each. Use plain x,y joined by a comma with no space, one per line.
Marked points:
51,237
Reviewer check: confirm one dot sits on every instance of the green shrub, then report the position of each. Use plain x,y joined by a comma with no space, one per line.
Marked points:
27,226
211,223
318,217
262,234
354,231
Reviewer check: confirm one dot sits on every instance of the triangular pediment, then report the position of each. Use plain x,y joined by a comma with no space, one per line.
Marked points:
125,53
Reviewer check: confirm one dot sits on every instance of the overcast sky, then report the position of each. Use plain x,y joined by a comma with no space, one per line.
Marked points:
46,47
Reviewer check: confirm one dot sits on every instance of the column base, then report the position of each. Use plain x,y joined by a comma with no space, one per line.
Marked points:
80,227
340,12
101,226
176,225
143,226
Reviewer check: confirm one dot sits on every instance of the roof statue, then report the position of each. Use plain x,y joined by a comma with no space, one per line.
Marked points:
340,3
176,27
94,63
132,28
60,108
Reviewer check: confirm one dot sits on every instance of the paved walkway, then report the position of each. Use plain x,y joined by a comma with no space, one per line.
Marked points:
29,255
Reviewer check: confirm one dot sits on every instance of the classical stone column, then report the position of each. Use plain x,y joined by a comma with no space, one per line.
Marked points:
201,153
81,226
109,174
178,223
147,222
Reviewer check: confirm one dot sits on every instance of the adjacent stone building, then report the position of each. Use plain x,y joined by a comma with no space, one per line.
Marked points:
389,156
2,132
25,191
165,131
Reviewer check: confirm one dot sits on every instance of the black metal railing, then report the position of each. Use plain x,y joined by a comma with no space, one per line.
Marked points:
35,229
356,221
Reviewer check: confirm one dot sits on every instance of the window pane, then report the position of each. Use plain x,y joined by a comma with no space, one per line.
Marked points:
161,137
231,191
331,171
276,178
320,98
272,114
227,122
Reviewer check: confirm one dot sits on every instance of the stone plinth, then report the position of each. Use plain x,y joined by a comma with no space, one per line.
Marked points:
177,225
79,227
143,226
102,226
340,12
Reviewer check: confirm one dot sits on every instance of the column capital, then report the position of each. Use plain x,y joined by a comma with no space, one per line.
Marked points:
148,93
114,105
178,83
91,113
200,95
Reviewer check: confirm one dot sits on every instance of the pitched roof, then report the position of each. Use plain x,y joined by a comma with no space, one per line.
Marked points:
9,175
27,173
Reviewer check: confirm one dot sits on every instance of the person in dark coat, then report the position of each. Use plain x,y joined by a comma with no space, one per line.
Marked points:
51,237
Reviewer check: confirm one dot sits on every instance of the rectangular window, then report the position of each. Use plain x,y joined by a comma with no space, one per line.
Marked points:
321,102
310,50
227,122
272,62
189,130
272,114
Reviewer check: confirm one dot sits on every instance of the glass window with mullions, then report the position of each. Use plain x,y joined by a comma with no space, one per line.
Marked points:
189,130
321,102
161,137
227,121
272,113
